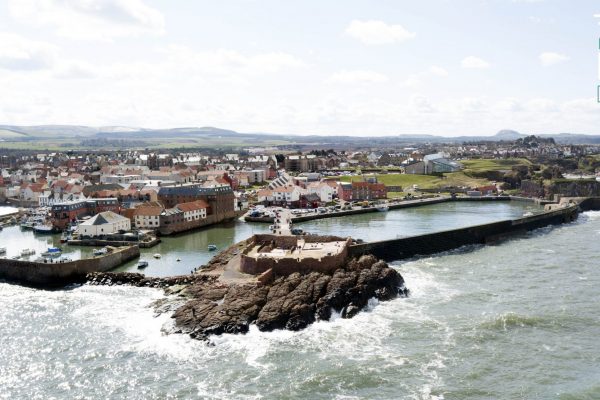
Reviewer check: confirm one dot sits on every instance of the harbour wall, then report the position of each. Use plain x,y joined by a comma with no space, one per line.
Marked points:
42,274
397,249
397,206
184,226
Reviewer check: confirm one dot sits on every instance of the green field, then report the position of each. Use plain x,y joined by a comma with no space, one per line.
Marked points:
423,181
486,164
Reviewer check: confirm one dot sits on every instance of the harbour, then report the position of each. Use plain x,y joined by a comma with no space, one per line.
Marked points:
475,320
183,253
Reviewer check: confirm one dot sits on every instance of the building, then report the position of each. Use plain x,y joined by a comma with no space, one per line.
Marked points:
368,191
194,210
437,163
63,214
147,217
211,205
302,163
104,223
344,191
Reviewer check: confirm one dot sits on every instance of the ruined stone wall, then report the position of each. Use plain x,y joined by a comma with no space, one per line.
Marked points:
286,266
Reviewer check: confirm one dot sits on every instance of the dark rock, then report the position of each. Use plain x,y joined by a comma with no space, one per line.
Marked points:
204,306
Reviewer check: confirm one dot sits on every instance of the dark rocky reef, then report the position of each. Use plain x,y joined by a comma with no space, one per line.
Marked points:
284,302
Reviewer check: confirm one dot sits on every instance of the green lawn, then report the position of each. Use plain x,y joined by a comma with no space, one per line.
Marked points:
486,164
423,181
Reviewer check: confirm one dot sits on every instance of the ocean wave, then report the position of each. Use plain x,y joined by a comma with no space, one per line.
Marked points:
511,320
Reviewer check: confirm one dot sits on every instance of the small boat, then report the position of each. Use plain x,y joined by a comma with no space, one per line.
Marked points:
2,250
528,214
212,247
142,264
157,255
17,257
26,225
27,252
383,208
42,228
65,237
100,252
52,252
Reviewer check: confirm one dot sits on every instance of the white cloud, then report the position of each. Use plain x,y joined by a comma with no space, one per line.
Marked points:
90,19
375,32
225,61
438,71
357,76
473,62
550,58
19,53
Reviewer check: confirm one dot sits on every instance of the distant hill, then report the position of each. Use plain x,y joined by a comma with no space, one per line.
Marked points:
216,137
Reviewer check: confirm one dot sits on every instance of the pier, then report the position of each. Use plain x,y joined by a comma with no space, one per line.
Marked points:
51,274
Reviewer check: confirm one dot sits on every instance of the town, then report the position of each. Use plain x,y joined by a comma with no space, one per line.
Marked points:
109,195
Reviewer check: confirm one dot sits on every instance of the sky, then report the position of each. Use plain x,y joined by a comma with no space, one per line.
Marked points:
345,67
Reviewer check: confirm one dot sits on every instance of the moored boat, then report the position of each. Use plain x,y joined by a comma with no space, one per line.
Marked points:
27,252
100,252
42,228
157,255
2,250
27,225
52,252
383,207
142,264
212,247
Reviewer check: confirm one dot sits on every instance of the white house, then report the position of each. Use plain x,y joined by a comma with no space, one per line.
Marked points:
147,217
194,210
323,190
104,223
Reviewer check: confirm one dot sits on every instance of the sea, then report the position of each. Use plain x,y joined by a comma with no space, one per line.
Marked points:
515,320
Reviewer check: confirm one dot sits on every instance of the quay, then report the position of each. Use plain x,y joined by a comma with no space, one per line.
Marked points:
144,244
47,274
396,206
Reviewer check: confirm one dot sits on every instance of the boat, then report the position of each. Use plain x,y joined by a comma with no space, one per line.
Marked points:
52,252
142,264
528,214
27,252
2,250
100,252
212,247
42,228
65,237
383,207
157,255
27,225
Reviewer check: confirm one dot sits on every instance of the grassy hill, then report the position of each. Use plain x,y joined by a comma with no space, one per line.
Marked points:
485,164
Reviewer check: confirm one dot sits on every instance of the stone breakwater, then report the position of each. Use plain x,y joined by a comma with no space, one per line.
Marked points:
207,306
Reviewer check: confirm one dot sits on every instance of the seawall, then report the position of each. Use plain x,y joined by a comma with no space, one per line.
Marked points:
397,249
56,274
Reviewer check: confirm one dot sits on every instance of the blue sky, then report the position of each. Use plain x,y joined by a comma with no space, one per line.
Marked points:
460,67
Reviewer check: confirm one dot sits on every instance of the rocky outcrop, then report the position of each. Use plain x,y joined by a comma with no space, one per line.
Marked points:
283,302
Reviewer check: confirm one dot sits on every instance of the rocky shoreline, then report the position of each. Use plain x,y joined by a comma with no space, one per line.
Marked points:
202,305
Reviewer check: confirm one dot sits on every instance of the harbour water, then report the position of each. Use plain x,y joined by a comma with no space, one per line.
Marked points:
517,320
192,248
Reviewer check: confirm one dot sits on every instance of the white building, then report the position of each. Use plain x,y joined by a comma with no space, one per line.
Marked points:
194,210
147,217
104,223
